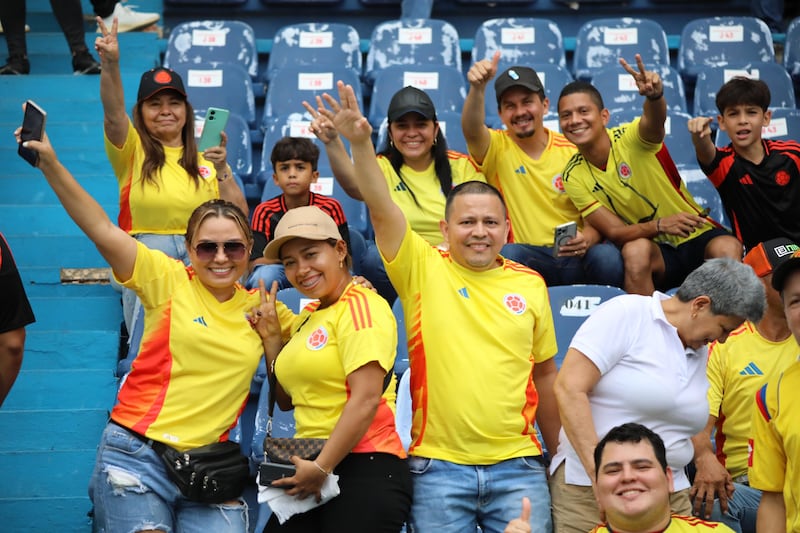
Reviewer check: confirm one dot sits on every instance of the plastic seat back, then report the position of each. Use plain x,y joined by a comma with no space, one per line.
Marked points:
327,45
213,41
219,85
710,79
521,40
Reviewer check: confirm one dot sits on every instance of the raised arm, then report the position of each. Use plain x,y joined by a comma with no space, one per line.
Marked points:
700,128
387,219
654,110
341,164
115,119
473,116
117,247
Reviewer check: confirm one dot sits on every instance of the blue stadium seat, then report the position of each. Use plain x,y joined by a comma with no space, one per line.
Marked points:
570,305
521,40
722,41
293,124
212,41
291,85
401,360
602,42
710,79
791,50
222,85
449,122
444,85
620,92
705,194
784,125
315,44
553,78
416,42
678,139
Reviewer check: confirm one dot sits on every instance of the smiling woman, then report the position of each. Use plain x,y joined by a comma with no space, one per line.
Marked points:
643,359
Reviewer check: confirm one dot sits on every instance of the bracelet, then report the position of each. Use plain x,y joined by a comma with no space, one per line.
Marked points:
658,226
656,97
326,472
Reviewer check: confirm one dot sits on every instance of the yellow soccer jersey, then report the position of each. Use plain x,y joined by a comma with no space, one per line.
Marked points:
163,208
639,183
736,369
192,376
775,459
532,188
425,213
327,345
473,339
679,524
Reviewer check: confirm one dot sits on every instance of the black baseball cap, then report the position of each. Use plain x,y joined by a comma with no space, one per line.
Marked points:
517,77
411,100
782,272
769,255
159,79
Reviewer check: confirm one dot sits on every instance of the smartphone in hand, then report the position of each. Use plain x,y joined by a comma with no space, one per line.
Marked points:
214,124
269,472
563,234
32,130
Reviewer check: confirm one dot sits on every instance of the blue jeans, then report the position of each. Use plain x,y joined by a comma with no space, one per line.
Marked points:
453,498
268,273
374,270
601,265
130,491
742,509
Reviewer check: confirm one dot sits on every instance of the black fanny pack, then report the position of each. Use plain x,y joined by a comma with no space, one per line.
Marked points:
214,473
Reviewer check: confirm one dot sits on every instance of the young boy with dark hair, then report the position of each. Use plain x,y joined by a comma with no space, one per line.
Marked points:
758,179
294,169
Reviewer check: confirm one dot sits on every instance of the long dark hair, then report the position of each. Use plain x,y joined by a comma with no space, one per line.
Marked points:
154,157
441,162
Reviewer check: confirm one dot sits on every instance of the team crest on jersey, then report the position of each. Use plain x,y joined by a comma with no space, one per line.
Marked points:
205,172
318,339
782,178
624,170
558,183
515,303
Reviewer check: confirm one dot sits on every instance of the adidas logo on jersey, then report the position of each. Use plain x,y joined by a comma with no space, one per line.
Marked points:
400,187
746,180
463,292
520,170
751,370
200,320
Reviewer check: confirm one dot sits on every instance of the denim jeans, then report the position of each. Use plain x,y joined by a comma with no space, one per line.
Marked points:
454,498
130,491
601,265
742,509
268,273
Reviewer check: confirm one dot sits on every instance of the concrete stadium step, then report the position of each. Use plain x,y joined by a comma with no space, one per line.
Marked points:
84,349
29,189
76,160
54,251
62,390
76,313
64,514
42,219
68,135
49,474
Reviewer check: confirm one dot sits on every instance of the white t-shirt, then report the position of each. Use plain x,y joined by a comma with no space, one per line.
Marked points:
646,376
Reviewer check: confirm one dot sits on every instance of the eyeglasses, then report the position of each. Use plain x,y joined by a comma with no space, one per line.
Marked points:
207,251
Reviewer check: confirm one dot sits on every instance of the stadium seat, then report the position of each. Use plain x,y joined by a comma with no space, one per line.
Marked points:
784,125
722,41
315,44
619,90
678,139
291,85
449,122
211,42
570,305
444,85
791,50
401,360
710,79
553,77
602,42
239,147
294,124
222,85
705,194
417,42
521,41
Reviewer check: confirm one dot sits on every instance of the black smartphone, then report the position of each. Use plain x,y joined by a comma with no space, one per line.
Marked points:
32,130
269,472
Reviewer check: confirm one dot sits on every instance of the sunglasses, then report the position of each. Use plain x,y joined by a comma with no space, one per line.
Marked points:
207,251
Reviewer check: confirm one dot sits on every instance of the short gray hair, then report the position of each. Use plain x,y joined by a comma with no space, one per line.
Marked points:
732,286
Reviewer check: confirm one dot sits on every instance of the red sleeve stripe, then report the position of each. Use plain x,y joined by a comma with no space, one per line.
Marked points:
359,309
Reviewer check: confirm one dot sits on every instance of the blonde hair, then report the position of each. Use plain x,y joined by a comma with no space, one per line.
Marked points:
219,209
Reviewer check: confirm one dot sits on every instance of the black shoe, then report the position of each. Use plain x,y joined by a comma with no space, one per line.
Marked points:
16,65
84,63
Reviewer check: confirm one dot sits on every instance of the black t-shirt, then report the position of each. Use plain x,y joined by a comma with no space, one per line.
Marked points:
15,309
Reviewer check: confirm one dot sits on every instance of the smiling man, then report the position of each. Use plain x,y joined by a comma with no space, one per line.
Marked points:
634,484
525,163
481,340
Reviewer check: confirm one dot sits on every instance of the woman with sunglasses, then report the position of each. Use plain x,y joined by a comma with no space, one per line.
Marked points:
416,163
161,175
192,376
336,373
